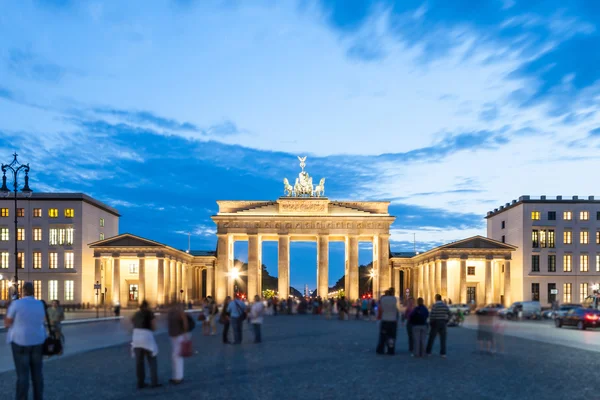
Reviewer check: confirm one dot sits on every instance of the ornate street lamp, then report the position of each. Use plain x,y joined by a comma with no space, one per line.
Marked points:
15,167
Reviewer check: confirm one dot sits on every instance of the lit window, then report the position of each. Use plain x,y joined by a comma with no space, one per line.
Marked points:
69,212
567,293
597,262
535,291
20,212
21,234
101,236
583,263
53,260
535,263
37,289
53,290
101,222
69,236
597,237
567,263
535,215
542,238
584,237
69,259
4,234
53,212
37,234
69,286
37,260
550,238
53,236
535,238
5,212
21,260
470,270
133,292
567,237
4,257
37,213
584,215
133,268
567,215
583,291
551,262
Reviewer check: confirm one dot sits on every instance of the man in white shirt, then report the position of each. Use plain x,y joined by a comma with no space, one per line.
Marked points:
25,319
388,313
256,317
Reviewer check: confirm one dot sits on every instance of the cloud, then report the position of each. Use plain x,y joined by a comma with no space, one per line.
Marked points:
147,117
26,65
489,113
6,94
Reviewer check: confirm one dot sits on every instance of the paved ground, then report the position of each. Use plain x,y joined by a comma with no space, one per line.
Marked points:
308,357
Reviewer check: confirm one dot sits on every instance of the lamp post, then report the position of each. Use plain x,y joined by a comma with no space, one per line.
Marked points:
15,167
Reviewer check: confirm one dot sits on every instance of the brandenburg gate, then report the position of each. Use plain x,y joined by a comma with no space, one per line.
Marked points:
303,214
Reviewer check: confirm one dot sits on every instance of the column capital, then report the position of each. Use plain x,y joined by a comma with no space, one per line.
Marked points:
384,235
141,255
115,255
464,257
489,257
508,257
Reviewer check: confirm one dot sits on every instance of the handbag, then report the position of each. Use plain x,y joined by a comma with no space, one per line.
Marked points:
201,317
186,349
243,314
52,345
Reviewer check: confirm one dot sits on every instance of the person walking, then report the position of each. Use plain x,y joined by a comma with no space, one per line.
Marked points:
214,312
237,309
26,335
418,321
224,319
388,310
56,315
144,345
409,330
256,318
178,328
440,314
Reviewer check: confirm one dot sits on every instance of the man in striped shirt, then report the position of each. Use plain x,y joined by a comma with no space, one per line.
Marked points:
438,319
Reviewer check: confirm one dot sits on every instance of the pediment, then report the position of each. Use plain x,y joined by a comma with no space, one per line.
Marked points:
126,240
478,242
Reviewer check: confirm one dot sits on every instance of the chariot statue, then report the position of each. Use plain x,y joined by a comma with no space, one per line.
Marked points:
303,186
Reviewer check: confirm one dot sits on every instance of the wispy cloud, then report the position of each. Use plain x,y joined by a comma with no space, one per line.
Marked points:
27,65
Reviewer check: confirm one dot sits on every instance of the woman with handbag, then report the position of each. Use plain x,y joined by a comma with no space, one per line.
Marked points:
178,324
224,319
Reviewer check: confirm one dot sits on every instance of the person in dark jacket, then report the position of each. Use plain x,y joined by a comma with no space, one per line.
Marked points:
224,318
418,321
440,314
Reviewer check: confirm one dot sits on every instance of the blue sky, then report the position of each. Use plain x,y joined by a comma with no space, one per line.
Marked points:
447,109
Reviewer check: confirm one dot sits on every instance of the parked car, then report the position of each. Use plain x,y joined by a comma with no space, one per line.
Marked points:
548,314
528,310
580,317
490,309
465,308
564,309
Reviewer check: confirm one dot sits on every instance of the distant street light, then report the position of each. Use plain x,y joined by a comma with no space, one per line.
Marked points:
235,274
372,275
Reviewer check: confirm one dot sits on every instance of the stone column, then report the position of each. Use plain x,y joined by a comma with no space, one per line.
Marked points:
463,280
283,267
253,265
323,266
438,277
352,260
397,283
385,279
210,283
116,280
199,287
444,279
160,279
488,280
432,282
507,288
141,279
167,280
173,285
496,281
420,281
222,270
425,273
98,270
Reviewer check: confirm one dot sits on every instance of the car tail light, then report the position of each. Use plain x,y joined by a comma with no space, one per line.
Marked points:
592,317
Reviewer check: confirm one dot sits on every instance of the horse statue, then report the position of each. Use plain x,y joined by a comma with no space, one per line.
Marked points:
287,188
320,189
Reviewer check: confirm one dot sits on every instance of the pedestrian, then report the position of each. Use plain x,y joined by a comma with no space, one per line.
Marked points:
237,313
485,333
418,321
26,335
440,314
388,310
178,326
204,317
56,315
144,345
409,331
256,318
117,310
214,312
224,319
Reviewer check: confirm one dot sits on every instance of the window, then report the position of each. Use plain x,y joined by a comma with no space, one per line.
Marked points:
584,215
4,234
551,295
470,270
4,256
133,268
584,263
37,289
535,263
5,212
21,234
550,238
37,213
597,237
567,293
133,292
551,215
503,224
503,239
567,263
37,260
37,234
69,286
52,290
535,238
20,212
567,237
567,215
53,260
69,213
535,215
69,236
20,260
101,236
53,236
53,212
102,222
551,262
584,237
535,291
598,215
597,262
583,291
69,259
